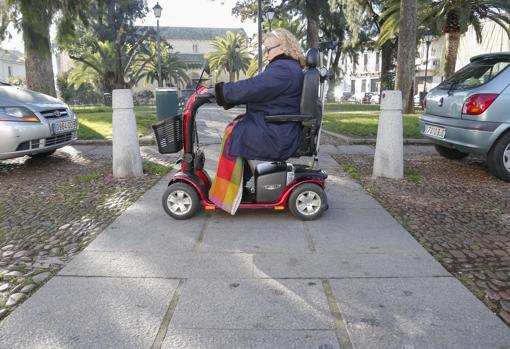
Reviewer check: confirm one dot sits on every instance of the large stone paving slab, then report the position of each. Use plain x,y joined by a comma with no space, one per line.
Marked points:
350,230
241,339
221,239
157,232
417,313
160,264
254,232
252,304
346,265
81,313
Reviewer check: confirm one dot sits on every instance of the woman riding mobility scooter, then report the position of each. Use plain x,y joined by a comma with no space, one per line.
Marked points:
277,185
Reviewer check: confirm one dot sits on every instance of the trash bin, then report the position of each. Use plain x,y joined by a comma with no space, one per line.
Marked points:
167,103
107,99
422,96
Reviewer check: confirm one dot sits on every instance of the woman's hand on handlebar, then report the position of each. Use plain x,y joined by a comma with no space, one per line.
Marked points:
210,94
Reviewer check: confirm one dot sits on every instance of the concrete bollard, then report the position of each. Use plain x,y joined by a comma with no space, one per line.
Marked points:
389,149
127,160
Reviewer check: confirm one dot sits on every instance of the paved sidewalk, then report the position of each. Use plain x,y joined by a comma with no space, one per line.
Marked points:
260,279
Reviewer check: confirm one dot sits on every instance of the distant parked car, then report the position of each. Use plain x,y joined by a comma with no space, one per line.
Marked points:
33,124
469,113
366,98
357,97
344,96
375,99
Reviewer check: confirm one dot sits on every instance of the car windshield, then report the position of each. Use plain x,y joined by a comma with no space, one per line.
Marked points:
476,74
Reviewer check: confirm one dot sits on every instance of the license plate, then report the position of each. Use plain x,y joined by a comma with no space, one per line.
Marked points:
435,131
64,126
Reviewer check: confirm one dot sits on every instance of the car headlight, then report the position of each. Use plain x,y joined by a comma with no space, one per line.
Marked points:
17,114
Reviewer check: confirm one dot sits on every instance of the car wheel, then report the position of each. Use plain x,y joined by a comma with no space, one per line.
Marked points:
450,153
498,158
181,201
43,155
308,202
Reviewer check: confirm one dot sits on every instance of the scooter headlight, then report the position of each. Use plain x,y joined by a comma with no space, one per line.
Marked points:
17,114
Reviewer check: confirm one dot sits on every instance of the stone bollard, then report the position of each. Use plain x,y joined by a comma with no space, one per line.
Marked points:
127,160
389,149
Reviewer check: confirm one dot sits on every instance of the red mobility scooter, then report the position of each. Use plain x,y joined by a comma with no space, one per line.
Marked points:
277,185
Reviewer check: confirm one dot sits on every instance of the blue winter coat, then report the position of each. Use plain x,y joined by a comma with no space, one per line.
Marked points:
276,91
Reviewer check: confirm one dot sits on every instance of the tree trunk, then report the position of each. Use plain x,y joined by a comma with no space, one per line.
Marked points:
406,55
452,48
38,65
330,97
388,56
312,32
452,29
231,76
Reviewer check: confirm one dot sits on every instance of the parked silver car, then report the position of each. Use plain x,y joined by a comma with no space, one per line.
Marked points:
469,113
32,123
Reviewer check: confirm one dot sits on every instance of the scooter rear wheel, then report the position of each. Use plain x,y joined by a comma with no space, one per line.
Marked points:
181,201
308,202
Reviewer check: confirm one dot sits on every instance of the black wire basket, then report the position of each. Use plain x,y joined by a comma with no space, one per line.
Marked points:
169,134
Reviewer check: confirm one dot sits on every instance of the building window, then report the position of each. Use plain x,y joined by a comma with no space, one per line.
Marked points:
9,71
365,63
353,86
377,59
363,85
195,48
374,85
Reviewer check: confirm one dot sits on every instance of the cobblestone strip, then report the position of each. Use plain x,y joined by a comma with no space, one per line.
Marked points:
309,239
163,329
458,212
342,335
50,210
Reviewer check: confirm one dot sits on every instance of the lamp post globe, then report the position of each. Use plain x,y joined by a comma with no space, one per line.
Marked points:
270,16
157,10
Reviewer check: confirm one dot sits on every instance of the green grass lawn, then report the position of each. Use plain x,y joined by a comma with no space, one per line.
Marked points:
364,123
96,121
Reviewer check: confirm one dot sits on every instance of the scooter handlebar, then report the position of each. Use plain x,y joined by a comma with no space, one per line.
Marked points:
210,94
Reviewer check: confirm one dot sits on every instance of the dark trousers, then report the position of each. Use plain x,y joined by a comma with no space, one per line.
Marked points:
247,174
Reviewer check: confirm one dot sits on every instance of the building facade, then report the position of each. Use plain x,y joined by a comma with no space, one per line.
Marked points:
191,44
12,65
365,75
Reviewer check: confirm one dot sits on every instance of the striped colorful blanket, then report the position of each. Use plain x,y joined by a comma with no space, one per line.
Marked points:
227,187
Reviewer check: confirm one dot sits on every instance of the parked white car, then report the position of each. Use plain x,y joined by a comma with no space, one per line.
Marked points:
357,97
33,123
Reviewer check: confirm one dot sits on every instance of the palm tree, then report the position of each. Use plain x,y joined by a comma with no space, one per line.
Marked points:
451,18
406,55
97,67
173,68
225,58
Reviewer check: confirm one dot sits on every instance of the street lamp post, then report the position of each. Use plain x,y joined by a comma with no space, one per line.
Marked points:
237,49
428,41
270,16
157,12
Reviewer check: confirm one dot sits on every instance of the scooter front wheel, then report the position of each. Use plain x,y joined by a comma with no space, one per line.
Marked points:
308,202
181,201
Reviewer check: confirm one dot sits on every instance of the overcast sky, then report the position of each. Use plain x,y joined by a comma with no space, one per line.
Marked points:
178,13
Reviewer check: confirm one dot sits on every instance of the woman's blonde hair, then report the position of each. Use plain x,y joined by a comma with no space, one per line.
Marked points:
289,44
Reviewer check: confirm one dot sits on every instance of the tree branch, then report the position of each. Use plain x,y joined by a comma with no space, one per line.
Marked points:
79,59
